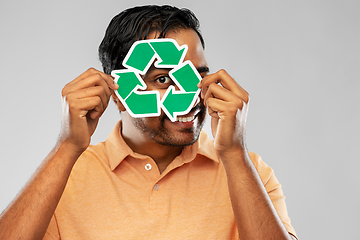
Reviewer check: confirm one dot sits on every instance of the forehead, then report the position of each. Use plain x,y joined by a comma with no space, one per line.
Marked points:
189,37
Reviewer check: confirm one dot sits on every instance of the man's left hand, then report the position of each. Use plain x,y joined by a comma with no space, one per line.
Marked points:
227,103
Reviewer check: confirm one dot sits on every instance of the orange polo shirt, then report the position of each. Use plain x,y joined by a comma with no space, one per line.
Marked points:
114,193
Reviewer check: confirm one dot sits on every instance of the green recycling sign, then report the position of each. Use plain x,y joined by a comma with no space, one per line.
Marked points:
141,103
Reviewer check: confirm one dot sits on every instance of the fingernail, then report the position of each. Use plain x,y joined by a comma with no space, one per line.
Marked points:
116,85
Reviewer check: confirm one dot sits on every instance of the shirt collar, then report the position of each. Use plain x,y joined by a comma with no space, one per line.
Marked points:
206,147
118,150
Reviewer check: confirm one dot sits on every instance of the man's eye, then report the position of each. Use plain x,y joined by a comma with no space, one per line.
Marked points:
164,79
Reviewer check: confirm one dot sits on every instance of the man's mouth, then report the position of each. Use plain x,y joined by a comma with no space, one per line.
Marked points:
185,119
188,118
191,115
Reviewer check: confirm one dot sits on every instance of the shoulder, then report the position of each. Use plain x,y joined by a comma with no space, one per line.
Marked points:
265,172
92,159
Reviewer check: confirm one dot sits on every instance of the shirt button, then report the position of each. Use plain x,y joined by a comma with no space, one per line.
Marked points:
156,187
148,166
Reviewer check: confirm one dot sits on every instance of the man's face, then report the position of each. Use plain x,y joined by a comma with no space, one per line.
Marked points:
186,129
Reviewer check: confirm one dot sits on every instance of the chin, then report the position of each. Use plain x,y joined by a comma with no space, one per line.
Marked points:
179,141
182,137
178,134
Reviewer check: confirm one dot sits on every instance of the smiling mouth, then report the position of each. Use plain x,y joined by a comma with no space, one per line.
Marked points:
191,115
185,119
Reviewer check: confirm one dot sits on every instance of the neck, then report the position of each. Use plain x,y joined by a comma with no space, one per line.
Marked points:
140,143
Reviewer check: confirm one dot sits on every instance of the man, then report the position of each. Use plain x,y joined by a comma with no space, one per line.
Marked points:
152,178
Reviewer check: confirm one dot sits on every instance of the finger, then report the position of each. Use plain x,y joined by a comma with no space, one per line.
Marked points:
90,81
93,86
95,79
91,72
97,91
82,107
219,92
221,109
107,78
223,78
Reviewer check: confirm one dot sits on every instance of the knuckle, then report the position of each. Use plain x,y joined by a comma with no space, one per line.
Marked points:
239,104
211,86
72,105
100,90
209,101
98,78
214,87
97,101
222,72
89,102
233,108
86,92
91,69
68,97
63,92
247,100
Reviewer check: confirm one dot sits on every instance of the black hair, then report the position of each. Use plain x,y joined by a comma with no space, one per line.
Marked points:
136,24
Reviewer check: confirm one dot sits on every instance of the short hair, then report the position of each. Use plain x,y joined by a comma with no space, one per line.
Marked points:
136,24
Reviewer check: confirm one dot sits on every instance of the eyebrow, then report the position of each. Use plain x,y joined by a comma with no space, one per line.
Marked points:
203,69
151,69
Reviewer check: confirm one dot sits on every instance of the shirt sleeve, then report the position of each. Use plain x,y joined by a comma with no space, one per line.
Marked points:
273,189
52,233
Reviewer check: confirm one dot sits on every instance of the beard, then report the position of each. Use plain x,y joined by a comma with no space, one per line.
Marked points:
181,137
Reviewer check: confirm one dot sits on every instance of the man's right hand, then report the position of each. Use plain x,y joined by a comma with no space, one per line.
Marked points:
84,101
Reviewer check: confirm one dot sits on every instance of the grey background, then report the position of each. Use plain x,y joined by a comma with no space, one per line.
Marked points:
299,60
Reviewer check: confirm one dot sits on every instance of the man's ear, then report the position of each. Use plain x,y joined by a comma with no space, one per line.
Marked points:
117,101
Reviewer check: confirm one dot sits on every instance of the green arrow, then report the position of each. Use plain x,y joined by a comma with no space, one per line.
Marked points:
140,56
170,54
177,103
128,81
143,103
186,77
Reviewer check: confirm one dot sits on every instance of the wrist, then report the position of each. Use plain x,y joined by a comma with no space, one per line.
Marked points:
234,157
69,149
71,142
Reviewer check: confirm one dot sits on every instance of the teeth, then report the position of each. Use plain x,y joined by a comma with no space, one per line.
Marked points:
185,119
